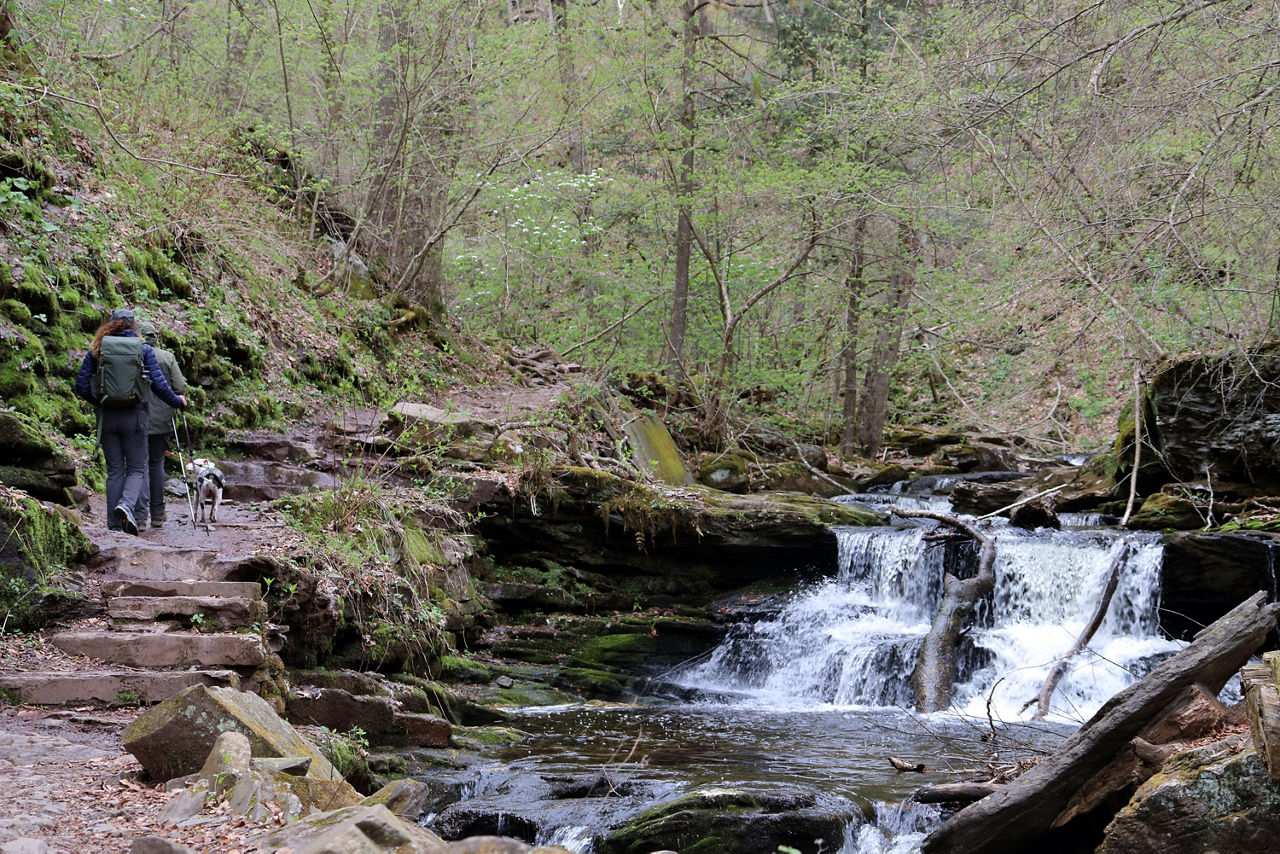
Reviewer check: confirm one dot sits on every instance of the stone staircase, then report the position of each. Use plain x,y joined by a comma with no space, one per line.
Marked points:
170,619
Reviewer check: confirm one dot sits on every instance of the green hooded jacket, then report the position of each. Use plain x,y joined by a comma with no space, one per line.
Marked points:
159,413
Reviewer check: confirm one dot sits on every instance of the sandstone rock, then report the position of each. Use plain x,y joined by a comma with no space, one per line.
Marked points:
1221,411
1163,512
364,829
175,737
504,845
655,452
164,649
406,798
423,424
1037,513
1212,798
340,711
416,730
747,818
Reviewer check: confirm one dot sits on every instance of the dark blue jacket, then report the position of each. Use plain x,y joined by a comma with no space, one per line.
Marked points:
158,384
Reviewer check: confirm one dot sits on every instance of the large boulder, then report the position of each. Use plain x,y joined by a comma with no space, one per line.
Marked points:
174,738
731,819
1204,574
30,461
1212,798
366,829
1220,413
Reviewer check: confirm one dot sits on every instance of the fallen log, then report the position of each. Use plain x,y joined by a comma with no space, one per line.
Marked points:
933,680
955,793
1013,818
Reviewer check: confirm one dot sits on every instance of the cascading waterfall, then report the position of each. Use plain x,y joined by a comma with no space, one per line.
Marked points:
851,641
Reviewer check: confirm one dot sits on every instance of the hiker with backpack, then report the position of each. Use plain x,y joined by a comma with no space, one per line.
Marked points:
112,378
159,427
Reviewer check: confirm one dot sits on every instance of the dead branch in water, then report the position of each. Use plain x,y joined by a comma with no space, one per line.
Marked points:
1099,612
934,678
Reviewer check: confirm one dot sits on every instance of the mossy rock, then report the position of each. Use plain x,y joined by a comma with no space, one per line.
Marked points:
592,683
734,819
883,476
38,546
727,472
615,651
1164,512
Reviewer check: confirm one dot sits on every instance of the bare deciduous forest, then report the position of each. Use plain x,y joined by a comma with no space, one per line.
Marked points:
980,213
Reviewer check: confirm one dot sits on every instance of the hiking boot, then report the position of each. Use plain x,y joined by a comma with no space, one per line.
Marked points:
125,516
157,521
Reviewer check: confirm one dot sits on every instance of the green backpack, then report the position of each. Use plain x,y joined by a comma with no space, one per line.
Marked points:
119,382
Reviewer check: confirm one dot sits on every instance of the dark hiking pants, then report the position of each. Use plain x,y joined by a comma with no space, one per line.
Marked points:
124,444
153,498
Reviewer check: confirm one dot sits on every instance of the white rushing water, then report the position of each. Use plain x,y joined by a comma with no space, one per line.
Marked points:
851,641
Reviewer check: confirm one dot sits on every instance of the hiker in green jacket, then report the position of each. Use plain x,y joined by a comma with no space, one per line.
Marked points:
159,427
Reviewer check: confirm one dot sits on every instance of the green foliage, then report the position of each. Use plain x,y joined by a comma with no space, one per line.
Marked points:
347,752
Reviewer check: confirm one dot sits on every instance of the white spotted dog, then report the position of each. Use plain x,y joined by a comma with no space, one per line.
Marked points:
208,486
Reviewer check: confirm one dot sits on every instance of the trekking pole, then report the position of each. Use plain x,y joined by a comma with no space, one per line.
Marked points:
191,451
191,507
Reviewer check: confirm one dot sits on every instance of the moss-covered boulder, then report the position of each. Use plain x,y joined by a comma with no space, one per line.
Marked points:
31,461
1217,797
655,452
1163,512
727,472
175,737
39,543
798,477
734,819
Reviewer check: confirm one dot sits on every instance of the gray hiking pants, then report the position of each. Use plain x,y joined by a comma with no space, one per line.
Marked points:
152,501
124,444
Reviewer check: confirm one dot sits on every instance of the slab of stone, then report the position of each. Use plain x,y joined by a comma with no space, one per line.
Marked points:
140,587
1212,798
151,562
106,687
340,710
164,649
406,798
175,737
367,829
228,612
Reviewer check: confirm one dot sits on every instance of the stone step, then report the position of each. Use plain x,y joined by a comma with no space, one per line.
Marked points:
149,562
139,587
164,649
109,687
228,612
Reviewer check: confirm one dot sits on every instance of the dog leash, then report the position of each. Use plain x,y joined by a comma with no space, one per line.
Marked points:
191,507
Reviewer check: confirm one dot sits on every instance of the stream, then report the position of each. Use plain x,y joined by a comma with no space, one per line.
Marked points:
814,689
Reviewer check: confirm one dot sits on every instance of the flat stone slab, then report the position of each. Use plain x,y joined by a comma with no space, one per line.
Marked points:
139,587
164,649
109,686
160,563
227,612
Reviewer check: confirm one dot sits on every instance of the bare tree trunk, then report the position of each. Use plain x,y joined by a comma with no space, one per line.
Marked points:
855,286
684,191
884,352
